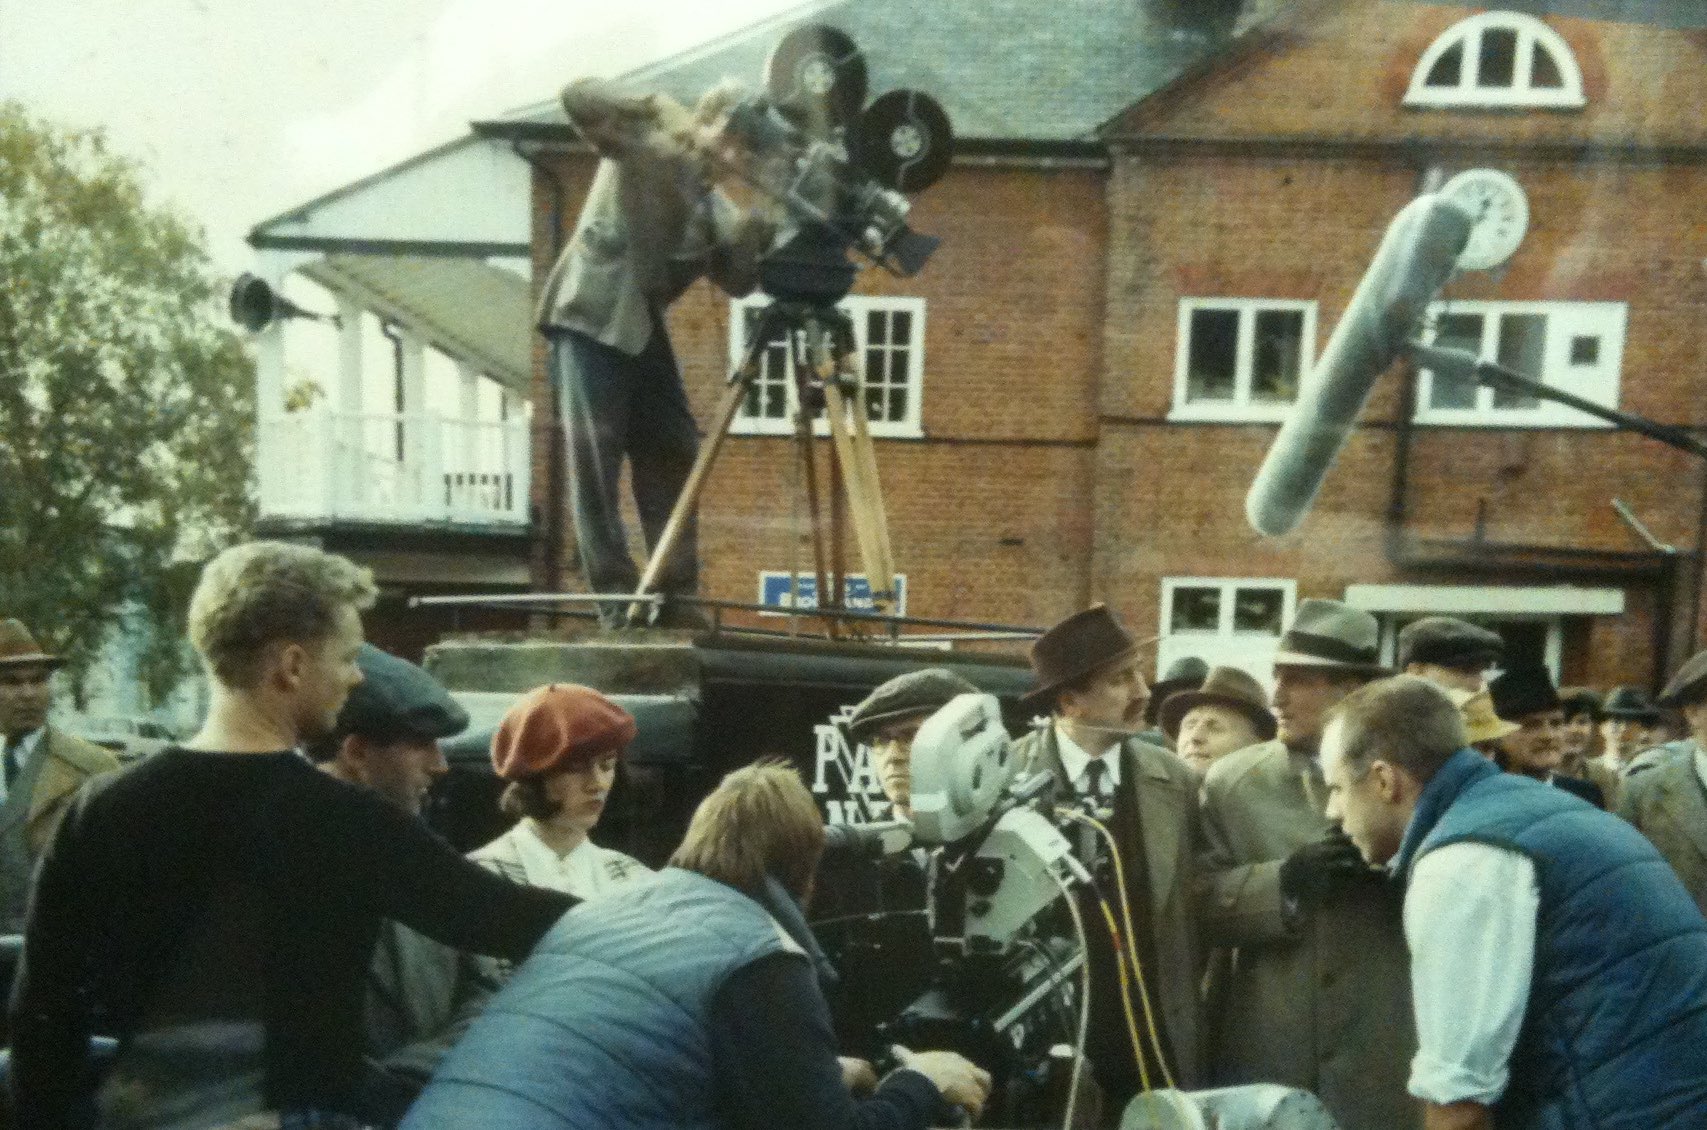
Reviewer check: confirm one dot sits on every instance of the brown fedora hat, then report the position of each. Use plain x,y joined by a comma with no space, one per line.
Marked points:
1074,648
1224,686
19,649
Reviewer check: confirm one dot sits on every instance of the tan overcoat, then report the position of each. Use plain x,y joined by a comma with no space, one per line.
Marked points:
1668,804
39,797
1323,1001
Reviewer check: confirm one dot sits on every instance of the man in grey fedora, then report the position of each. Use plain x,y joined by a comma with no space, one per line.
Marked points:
43,766
1228,712
1090,684
1311,983
1665,792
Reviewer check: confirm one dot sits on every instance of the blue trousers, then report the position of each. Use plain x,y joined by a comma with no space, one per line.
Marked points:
617,405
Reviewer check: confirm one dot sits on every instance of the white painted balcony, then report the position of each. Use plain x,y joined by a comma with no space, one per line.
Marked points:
392,468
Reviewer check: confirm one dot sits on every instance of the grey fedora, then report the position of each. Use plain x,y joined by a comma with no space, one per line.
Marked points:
1224,686
1689,684
1327,633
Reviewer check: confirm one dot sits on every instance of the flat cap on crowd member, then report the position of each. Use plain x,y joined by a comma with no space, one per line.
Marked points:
1223,686
1522,691
1689,685
917,692
397,700
559,726
1446,641
1074,648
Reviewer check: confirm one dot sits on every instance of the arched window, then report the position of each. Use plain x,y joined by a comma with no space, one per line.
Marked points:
1497,60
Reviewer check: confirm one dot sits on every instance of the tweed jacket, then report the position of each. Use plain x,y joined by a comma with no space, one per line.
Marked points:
39,797
1163,792
1668,804
1319,1002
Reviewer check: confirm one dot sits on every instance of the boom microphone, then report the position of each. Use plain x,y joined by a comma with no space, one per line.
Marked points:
1413,262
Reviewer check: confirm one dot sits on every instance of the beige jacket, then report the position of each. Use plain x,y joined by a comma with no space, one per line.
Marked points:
1321,1003
1668,804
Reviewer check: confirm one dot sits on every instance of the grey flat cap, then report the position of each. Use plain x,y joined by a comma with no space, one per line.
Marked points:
397,701
1446,641
917,692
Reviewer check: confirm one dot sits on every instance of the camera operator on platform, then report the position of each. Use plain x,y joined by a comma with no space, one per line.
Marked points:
1089,680
651,226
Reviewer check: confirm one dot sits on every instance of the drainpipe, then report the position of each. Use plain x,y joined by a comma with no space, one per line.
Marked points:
551,432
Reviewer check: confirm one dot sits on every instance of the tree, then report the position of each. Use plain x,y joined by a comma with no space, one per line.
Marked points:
126,407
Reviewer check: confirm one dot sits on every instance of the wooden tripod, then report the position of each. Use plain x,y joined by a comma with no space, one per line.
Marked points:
821,341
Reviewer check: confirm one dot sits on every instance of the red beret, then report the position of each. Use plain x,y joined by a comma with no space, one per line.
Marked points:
561,726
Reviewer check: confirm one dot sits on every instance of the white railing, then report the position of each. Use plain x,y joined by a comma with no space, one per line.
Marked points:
386,467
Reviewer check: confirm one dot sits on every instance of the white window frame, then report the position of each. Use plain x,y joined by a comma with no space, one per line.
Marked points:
1600,383
1532,35
857,307
1224,644
1240,409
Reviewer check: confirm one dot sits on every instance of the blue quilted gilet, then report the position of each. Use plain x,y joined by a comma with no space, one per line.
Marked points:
1615,1033
605,1025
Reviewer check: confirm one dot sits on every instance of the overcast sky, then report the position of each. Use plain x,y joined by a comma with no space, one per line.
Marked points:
241,109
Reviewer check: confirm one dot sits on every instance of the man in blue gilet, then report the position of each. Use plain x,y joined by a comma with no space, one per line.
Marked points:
1558,967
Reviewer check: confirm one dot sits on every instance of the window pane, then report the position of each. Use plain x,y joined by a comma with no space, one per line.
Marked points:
1498,57
1258,610
1196,610
1456,331
1522,346
877,328
1585,350
1279,354
1544,73
1213,355
901,323
1448,70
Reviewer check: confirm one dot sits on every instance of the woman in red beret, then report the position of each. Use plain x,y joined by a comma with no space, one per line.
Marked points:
558,748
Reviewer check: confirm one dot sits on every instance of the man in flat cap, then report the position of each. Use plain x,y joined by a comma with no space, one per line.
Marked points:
1311,985
1665,794
878,941
419,993
1089,681
43,767
1449,652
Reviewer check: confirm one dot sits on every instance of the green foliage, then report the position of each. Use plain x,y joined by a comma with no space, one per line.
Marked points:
126,407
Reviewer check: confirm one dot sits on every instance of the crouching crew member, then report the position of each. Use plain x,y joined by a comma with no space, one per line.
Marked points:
688,1001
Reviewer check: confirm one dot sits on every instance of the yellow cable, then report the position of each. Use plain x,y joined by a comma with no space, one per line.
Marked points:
1131,941
1125,994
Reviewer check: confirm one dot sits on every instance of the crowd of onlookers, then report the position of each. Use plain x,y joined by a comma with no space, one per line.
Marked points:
1392,886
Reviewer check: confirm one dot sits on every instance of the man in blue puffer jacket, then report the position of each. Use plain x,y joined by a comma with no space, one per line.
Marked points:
1559,968
690,1003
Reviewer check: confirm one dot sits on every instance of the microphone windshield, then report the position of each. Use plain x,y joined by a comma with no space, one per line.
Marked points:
1414,260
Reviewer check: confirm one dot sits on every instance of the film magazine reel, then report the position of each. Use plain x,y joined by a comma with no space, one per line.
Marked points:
817,78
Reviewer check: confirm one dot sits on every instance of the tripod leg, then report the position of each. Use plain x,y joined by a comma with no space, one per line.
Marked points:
883,576
739,382
859,469
809,460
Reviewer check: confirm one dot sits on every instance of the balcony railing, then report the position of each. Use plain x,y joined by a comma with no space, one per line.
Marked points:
387,467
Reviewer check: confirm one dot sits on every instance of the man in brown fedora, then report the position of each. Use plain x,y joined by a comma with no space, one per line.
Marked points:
1311,986
1088,680
1228,712
1665,793
42,767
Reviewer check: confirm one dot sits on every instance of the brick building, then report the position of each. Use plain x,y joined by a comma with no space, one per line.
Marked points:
1151,227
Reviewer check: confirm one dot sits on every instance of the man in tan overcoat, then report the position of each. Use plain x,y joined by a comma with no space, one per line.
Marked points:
1665,793
1310,985
1089,681
42,767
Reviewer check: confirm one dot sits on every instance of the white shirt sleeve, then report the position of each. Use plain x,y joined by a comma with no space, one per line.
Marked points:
1470,912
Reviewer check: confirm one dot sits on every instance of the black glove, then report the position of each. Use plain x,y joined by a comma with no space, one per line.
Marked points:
1309,874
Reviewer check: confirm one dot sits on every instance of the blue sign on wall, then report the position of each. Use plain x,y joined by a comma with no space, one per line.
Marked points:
774,589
